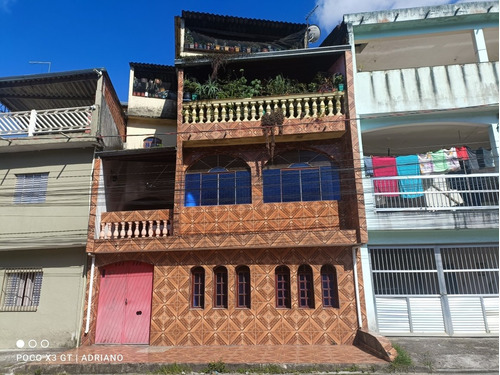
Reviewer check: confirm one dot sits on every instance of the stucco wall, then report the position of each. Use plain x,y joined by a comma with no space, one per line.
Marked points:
58,316
137,131
63,218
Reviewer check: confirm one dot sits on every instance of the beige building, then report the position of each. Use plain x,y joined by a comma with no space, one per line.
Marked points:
50,129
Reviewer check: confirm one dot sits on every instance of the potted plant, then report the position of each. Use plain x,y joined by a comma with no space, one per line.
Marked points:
191,88
338,81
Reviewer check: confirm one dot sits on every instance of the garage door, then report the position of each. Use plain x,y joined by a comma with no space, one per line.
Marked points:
124,307
441,289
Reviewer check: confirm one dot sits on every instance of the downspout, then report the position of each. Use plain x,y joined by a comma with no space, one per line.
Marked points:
89,301
356,286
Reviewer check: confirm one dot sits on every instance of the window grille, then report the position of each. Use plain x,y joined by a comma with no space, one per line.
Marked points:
220,287
31,188
329,286
305,287
198,288
283,287
21,290
243,287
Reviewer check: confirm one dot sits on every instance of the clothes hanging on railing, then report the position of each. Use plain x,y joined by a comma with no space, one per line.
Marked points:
385,166
425,163
368,165
439,161
409,166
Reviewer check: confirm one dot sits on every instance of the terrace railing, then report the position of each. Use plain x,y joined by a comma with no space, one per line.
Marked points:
436,192
135,224
252,109
30,123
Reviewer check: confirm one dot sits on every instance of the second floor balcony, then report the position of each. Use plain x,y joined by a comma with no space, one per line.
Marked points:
312,115
46,122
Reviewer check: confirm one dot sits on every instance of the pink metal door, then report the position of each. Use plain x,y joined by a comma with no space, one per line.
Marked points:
124,309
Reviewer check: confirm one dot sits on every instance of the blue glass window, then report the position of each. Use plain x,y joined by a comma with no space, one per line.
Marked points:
299,176
218,180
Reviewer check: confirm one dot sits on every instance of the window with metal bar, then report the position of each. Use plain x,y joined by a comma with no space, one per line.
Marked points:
282,275
218,180
243,287
471,270
220,287
329,288
31,188
21,290
198,288
305,287
300,175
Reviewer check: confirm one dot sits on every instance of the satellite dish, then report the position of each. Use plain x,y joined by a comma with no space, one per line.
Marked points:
313,33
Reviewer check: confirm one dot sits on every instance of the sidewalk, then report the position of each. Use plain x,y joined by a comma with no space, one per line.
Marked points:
430,355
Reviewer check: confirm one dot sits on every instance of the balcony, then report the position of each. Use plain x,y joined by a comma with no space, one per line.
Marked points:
431,202
135,224
426,88
309,116
45,122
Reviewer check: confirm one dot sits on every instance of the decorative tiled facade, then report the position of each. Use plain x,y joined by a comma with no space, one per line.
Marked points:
174,322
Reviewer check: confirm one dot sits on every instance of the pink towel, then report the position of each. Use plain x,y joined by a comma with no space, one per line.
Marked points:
385,166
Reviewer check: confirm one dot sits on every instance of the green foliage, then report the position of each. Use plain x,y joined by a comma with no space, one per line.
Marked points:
191,85
402,362
209,90
218,366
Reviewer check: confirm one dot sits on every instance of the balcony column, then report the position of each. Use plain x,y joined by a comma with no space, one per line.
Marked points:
493,133
480,45
32,123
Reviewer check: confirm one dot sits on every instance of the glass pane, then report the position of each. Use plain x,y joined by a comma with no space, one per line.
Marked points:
310,184
192,190
291,185
226,188
330,183
209,189
272,185
243,187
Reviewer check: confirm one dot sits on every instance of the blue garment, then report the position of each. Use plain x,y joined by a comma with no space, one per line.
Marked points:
368,166
409,166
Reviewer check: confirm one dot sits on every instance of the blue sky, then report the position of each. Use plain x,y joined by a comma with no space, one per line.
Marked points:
82,34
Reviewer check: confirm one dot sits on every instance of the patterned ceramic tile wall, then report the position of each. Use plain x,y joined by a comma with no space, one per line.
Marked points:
175,323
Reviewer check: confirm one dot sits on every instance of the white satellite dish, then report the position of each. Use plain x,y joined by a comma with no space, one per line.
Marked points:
313,33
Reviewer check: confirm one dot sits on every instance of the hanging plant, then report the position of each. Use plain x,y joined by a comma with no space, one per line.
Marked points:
269,122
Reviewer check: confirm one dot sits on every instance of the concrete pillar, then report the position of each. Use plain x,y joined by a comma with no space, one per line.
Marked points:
480,45
493,133
368,288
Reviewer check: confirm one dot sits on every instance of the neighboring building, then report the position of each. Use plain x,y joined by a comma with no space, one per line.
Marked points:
52,126
231,235
426,80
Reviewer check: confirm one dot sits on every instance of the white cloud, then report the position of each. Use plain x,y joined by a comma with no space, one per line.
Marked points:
329,13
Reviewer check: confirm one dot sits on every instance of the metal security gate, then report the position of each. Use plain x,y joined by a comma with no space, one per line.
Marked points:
124,308
436,289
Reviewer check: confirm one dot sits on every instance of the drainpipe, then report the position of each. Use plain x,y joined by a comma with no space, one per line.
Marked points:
89,301
356,286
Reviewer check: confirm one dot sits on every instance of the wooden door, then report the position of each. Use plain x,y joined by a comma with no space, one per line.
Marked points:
124,307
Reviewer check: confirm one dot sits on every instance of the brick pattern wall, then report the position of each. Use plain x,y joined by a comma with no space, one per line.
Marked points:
174,322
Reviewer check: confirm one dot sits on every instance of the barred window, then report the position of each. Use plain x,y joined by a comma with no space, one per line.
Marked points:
31,188
198,288
243,287
220,287
282,275
21,290
305,287
329,286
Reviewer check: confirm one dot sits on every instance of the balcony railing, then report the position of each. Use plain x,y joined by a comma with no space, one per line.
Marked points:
50,121
252,109
436,192
135,224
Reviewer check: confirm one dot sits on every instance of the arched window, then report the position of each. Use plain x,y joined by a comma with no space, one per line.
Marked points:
329,289
305,286
152,142
218,180
198,287
220,287
243,287
282,275
300,175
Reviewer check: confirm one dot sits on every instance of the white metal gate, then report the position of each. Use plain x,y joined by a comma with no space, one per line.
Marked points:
436,289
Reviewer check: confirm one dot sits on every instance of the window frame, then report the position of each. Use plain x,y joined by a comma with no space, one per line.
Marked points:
151,142
198,288
243,288
29,300
329,295
284,301
305,287
220,287
31,188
